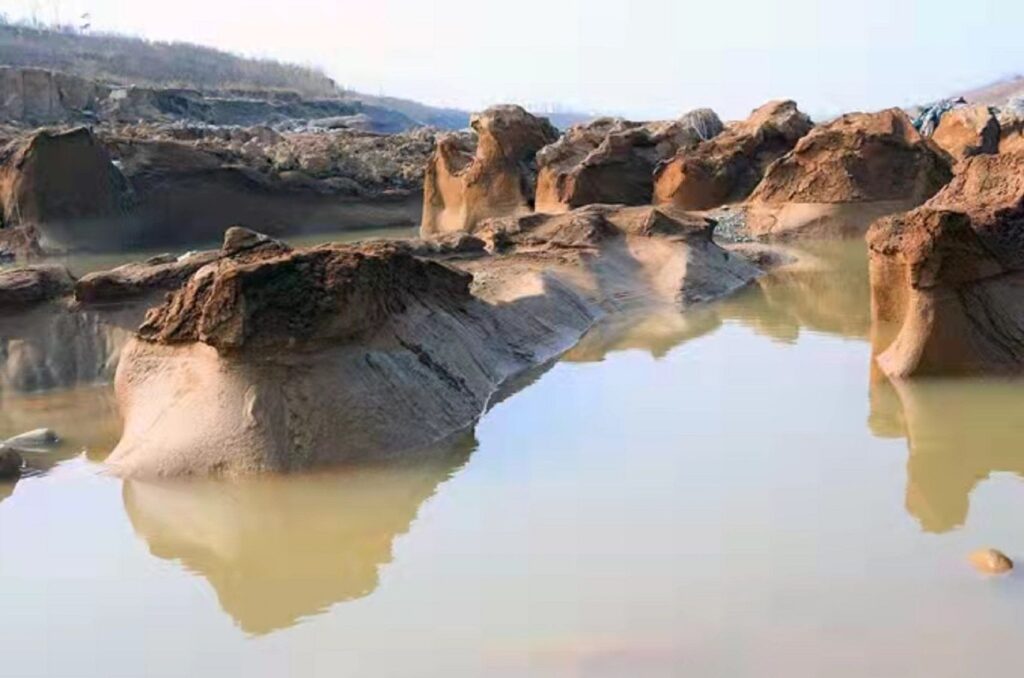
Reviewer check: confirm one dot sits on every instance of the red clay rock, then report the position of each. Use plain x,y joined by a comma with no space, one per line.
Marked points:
463,186
845,174
727,167
951,274
967,131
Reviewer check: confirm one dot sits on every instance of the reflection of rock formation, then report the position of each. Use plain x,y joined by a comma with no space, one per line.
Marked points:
823,289
958,433
50,347
276,549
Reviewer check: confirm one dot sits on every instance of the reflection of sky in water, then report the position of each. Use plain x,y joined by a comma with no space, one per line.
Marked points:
728,493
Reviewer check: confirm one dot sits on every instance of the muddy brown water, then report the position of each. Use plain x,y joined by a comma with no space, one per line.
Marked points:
730,491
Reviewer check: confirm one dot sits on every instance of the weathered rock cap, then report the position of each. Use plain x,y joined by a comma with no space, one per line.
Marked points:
970,230
612,160
857,157
464,184
968,130
263,295
845,174
727,167
510,132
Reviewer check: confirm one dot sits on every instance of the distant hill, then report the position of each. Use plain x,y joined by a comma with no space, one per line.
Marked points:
996,93
125,60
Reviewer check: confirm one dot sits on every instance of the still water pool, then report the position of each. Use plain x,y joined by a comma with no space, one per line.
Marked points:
726,492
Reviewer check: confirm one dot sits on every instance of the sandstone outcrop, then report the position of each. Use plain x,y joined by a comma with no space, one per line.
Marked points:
464,184
31,285
727,167
611,160
949,275
158,274
298,358
846,173
63,183
968,130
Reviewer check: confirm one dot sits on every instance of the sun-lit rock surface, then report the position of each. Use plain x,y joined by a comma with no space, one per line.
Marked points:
991,561
950,273
611,160
967,131
727,167
846,173
465,184
298,358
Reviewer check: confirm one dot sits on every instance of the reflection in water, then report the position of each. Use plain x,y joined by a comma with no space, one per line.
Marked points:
276,549
827,291
50,347
85,418
959,432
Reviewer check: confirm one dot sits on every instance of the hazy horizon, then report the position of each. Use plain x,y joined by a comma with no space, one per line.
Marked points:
653,58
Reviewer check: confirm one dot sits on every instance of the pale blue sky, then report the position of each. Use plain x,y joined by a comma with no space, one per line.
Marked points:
643,58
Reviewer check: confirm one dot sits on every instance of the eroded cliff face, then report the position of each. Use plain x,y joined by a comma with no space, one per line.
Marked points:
727,167
949,275
846,173
464,185
274,359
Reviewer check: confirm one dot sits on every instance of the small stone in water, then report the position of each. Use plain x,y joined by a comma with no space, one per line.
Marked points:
991,561
10,463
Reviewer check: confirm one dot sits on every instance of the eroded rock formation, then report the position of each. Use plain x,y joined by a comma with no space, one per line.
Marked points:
612,161
298,358
846,173
967,131
950,275
464,185
63,183
727,167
